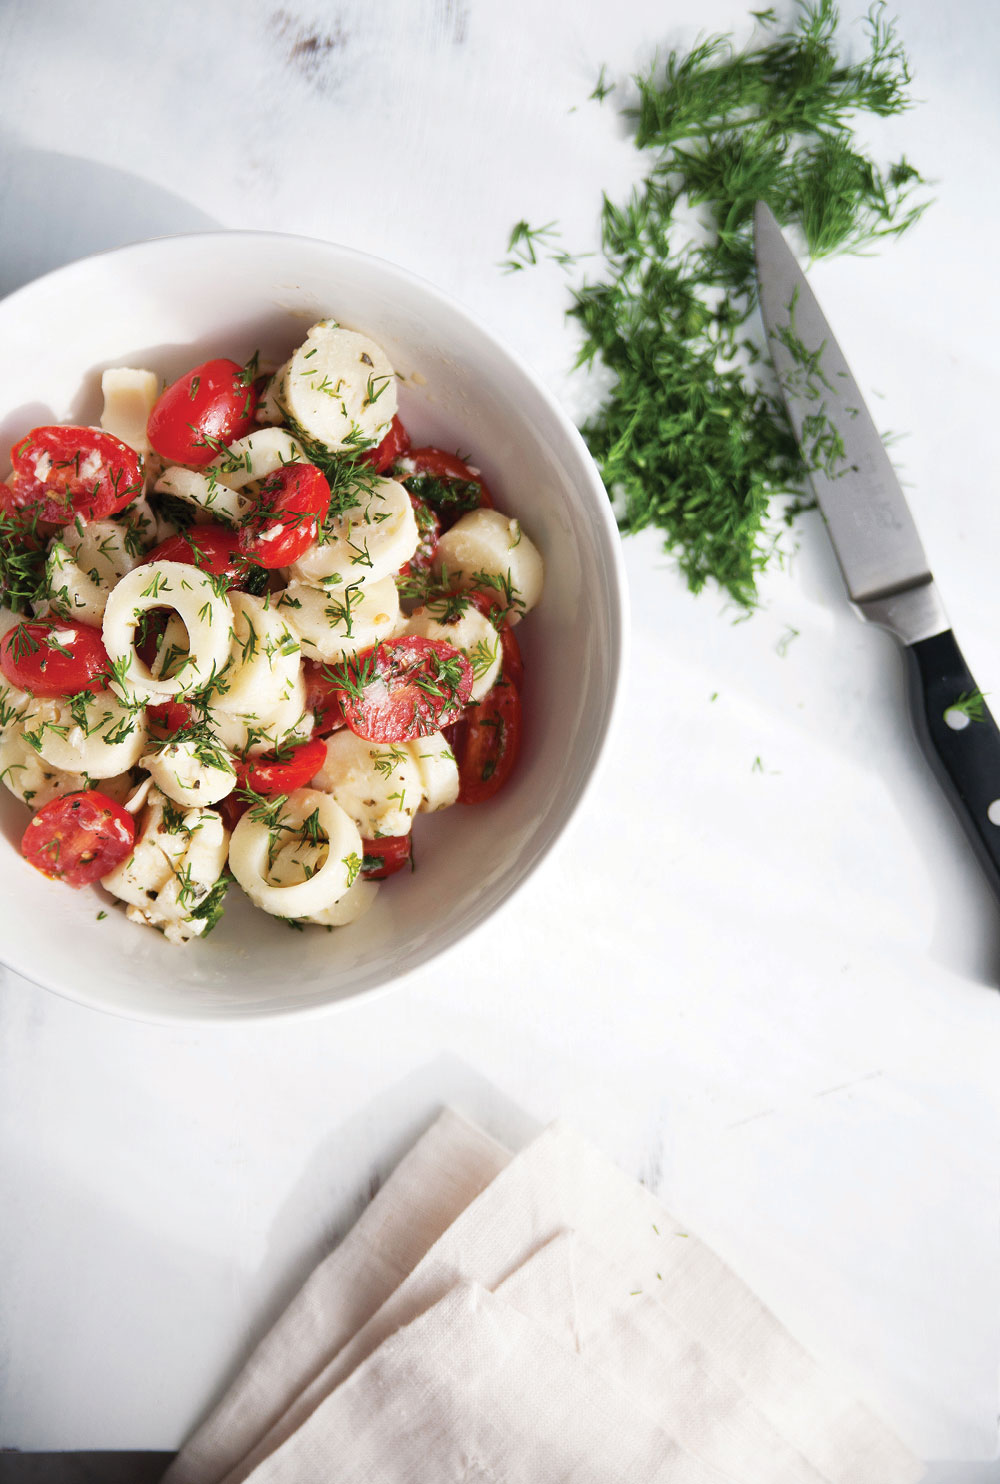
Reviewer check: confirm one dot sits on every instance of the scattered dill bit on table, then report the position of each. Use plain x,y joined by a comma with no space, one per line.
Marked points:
692,438
525,243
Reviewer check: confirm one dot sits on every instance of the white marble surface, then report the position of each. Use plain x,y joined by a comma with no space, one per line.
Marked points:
770,994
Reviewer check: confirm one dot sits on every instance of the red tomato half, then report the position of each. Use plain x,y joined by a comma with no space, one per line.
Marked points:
393,446
273,775
61,474
429,531
54,658
512,663
285,523
404,688
24,524
168,718
215,549
385,856
202,412
322,699
79,838
486,742
448,484
491,604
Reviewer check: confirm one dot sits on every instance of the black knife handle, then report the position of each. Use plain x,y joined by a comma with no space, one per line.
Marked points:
966,760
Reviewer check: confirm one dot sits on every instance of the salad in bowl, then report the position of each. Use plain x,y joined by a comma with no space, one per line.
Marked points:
260,632
314,617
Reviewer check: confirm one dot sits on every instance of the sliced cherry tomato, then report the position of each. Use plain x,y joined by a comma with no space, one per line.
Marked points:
285,523
322,699
486,742
385,856
445,482
64,474
429,531
54,657
215,549
393,446
404,688
22,523
168,718
512,664
199,414
79,838
274,775
492,605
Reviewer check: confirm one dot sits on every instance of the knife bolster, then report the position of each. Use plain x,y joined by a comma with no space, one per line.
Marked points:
911,613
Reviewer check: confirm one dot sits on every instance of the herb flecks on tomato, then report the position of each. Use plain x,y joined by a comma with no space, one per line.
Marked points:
291,505
486,742
322,699
65,474
446,483
403,688
283,772
52,659
79,838
214,549
168,717
492,605
393,446
198,415
385,856
429,534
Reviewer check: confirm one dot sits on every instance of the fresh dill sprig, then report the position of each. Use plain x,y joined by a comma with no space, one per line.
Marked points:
453,497
22,561
211,906
350,476
692,438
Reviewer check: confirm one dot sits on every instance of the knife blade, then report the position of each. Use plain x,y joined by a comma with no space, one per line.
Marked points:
876,542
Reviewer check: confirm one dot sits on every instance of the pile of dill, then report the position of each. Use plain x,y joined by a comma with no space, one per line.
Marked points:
691,438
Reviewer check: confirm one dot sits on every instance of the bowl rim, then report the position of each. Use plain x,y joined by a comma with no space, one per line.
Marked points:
619,623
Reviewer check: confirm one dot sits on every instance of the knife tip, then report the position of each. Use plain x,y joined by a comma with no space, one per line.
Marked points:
763,217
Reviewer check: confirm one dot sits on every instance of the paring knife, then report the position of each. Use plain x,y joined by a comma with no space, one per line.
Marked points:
876,542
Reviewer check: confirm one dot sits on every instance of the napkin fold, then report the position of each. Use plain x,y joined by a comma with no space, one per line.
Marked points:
473,1391
447,1167
551,1265
585,1304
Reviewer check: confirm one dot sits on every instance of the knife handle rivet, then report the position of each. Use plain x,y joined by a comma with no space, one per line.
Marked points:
993,812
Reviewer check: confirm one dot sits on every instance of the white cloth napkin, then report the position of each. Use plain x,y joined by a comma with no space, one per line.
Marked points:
474,1391
445,1169
635,1342
673,1336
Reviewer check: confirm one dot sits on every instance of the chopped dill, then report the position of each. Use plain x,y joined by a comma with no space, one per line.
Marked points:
692,437
451,496
22,561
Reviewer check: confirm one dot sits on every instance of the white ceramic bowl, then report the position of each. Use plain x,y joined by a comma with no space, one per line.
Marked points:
173,302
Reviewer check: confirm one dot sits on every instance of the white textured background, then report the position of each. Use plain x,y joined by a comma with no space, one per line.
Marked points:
771,995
